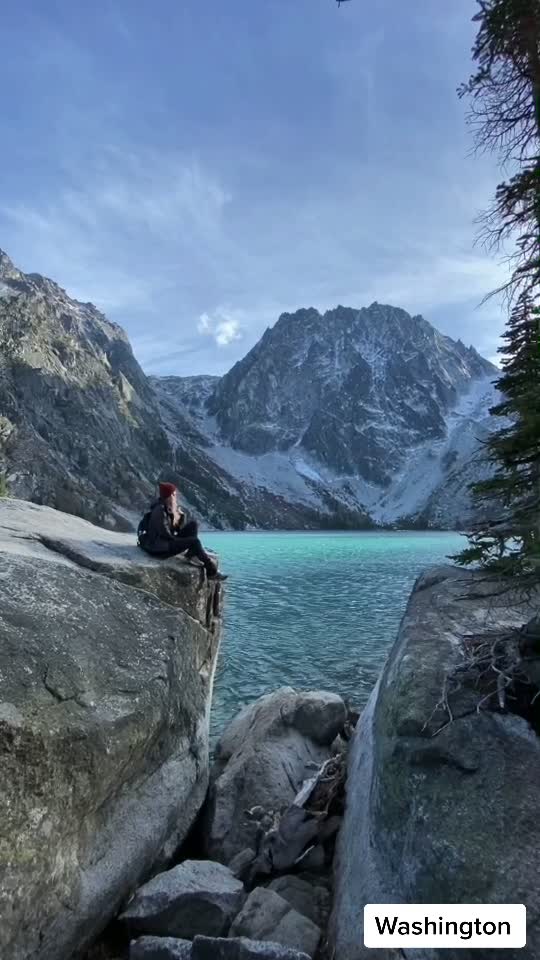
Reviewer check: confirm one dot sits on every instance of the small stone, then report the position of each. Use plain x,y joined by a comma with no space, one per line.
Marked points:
309,900
159,948
315,879
267,916
241,863
320,715
241,948
196,897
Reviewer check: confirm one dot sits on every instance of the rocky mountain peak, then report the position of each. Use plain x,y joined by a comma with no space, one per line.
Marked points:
354,388
80,428
8,271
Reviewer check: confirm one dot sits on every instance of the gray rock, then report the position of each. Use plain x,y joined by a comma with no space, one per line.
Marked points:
283,847
439,815
262,760
267,916
320,715
160,948
314,858
205,948
241,863
198,896
308,899
104,696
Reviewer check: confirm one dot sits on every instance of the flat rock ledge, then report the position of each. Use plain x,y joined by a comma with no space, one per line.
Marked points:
107,660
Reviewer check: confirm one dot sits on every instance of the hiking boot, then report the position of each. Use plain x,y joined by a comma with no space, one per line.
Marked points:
220,577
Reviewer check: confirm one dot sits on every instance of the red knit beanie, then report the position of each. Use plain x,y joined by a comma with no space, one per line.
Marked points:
166,490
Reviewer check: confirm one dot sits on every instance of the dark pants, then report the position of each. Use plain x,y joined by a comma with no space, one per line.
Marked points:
187,541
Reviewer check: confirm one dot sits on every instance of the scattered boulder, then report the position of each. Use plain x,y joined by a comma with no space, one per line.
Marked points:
311,901
442,790
264,756
320,715
159,948
241,863
105,683
267,916
241,948
196,897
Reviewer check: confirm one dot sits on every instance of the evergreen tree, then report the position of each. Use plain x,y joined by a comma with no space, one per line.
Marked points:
505,96
510,541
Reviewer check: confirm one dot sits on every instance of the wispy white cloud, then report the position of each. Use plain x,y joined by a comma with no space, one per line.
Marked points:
222,326
134,211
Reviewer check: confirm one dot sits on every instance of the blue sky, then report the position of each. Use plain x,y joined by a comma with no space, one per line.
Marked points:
195,167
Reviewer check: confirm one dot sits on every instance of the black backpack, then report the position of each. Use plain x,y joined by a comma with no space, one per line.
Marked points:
142,531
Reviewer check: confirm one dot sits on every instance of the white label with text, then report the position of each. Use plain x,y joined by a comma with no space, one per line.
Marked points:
476,925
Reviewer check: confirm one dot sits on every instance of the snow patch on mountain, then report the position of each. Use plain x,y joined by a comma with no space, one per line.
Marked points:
428,465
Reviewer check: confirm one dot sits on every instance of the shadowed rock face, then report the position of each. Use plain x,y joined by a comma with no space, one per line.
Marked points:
106,668
440,812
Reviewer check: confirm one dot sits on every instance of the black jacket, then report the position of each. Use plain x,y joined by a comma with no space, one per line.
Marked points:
160,529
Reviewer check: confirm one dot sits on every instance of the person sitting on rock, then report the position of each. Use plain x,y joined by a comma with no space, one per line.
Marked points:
168,534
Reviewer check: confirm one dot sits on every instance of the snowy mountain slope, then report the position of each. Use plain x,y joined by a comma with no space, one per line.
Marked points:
354,388
436,476
227,488
366,413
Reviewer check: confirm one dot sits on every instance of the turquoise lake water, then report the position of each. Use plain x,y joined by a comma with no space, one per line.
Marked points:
313,610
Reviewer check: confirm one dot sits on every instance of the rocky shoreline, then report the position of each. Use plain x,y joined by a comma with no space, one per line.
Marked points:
112,818
274,808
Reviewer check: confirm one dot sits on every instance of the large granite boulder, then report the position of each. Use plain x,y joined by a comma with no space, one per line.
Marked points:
106,667
198,896
262,759
442,793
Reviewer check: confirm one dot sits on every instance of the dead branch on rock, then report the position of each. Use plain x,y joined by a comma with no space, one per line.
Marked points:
287,838
493,665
